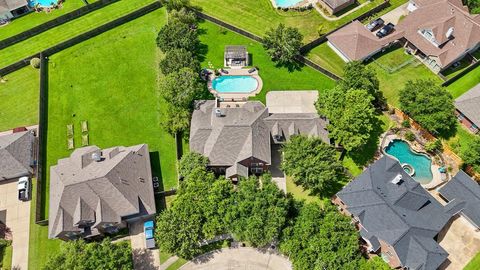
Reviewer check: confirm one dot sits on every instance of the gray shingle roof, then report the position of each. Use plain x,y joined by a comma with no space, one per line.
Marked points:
237,169
116,187
289,124
235,52
335,3
404,215
469,104
9,5
16,155
465,190
239,134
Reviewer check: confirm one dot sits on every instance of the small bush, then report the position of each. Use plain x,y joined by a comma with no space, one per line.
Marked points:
406,124
410,136
35,62
433,146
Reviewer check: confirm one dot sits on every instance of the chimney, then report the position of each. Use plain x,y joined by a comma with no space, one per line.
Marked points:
449,33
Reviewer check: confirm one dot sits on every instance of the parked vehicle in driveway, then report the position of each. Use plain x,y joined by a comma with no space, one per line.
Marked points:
23,187
375,24
387,29
148,229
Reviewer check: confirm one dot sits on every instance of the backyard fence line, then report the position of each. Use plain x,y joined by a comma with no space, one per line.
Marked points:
323,38
302,59
83,37
54,23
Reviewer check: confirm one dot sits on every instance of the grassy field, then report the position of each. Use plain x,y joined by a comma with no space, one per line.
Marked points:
257,16
36,18
115,90
216,38
465,83
324,56
68,30
453,71
6,257
299,193
19,99
474,264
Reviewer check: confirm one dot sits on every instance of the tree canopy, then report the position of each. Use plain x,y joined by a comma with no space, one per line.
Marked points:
177,35
176,59
312,163
259,212
429,104
351,114
190,162
471,153
184,16
358,76
80,255
283,44
473,5
175,4
181,88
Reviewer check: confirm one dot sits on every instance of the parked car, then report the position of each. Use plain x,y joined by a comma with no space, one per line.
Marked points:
148,229
375,24
23,187
387,29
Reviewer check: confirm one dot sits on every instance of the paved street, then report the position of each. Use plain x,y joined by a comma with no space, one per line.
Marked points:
238,259
18,221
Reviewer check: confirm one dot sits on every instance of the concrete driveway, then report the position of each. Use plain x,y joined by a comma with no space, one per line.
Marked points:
395,15
292,101
241,258
18,221
143,258
461,241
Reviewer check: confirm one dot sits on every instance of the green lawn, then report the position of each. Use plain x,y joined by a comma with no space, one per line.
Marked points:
177,264
68,30
453,71
36,18
216,38
324,56
474,264
19,99
299,193
465,83
461,140
257,16
111,81
6,257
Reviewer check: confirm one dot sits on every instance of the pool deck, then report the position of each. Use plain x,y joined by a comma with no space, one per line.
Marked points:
238,96
299,4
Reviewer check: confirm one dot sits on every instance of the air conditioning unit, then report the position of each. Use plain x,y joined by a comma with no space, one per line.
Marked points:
397,180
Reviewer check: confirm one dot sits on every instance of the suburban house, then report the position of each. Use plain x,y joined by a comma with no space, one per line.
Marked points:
237,137
466,191
397,218
17,155
439,32
96,192
235,56
468,109
12,8
334,6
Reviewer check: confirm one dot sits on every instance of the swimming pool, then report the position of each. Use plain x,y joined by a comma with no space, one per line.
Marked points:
287,3
43,3
421,163
235,84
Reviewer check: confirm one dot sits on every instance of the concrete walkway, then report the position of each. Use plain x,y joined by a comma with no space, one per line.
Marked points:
239,259
143,258
168,262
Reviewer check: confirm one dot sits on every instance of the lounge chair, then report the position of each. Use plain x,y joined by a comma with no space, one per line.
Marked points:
84,126
252,70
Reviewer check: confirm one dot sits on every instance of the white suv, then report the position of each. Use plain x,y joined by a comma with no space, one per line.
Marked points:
23,187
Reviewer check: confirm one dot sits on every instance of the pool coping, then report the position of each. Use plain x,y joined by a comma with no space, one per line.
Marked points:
436,175
235,96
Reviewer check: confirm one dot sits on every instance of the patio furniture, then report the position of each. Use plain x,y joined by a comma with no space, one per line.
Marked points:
252,70
69,130
84,139
84,126
70,144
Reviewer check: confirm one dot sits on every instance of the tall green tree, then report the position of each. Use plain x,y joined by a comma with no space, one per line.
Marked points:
312,163
177,35
175,4
175,119
471,153
358,76
190,162
176,59
283,44
92,256
351,114
259,211
430,105
184,16
181,88
321,239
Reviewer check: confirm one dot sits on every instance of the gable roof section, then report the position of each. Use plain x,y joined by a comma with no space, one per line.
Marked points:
464,189
235,52
289,124
82,189
469,104
335,3
404,215
16,155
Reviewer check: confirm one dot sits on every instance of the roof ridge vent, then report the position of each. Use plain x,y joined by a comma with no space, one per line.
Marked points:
397,180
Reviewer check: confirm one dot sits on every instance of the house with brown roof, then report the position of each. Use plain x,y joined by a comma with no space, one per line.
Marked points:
468,109
335,6
13,8
237,137
96,192
439,32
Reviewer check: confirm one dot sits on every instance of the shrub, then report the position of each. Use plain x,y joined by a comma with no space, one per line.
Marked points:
433,146
406,124
35,62
410,136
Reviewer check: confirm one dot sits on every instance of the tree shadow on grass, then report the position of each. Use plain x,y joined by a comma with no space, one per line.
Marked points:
160,202
448,133
366,154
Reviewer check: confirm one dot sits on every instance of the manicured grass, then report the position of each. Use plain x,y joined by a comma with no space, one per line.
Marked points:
465,83
299,193
36,18
68,30
216,38
393,58
19,99
474,264
324,56
257,16
110,81
461,140
6,257
177,264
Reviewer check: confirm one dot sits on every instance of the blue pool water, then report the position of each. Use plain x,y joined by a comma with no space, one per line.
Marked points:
420,163
235,84
287,3
43,3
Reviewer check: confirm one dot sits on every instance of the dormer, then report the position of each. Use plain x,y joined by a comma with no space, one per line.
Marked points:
428,35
